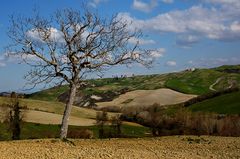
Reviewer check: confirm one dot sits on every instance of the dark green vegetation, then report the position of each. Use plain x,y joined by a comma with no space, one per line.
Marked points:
37,131
50,94
224,104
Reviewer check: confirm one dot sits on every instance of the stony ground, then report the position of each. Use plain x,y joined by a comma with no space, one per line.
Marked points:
148,148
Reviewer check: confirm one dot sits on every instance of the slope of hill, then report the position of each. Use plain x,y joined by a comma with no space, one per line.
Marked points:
198,81
51,112
50,94
143,98
224,104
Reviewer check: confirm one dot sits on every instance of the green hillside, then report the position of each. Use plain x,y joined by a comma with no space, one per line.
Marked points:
50,94
197,82
224,104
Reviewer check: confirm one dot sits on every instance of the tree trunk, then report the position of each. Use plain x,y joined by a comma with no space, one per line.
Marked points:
67,112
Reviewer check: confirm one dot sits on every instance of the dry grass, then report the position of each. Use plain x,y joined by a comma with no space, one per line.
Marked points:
44,112
51,118
164,147
148,97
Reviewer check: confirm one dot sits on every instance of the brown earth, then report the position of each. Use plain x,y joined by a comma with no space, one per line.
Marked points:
148,148
161,96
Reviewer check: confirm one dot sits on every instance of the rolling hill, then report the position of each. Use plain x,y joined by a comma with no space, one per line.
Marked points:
197,82
46,112
224,104
141,89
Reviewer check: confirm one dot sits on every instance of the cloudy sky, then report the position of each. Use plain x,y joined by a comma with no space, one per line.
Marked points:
184,33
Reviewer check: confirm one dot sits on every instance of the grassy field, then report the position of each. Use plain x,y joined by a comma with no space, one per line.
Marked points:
52,107
224,104
40,131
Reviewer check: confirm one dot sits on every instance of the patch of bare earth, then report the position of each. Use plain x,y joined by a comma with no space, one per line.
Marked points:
162,96
148,148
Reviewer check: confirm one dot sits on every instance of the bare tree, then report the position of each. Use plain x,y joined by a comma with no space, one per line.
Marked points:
70,45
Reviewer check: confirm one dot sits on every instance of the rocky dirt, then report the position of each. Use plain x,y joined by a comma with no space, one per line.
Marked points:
147,148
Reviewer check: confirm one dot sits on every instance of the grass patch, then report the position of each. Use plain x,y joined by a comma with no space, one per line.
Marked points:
39,131
224,104
50,94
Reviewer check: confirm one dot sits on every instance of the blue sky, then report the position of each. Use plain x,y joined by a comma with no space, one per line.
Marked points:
185,33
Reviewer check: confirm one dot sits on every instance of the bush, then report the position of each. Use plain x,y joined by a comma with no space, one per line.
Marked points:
101,120
184,122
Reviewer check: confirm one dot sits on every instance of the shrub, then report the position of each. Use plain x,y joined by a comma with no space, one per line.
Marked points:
14,117
101,120
184,122
116,124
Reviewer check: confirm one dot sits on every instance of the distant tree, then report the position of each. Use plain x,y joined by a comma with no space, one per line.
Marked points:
70,45
116,124
101,120
154,119
15,117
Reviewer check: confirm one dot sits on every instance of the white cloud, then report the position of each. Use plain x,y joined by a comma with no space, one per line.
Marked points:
158,52
38,35
235,26
190,62
143,6
141,41
218,23
168,1
171,63
13,57
222,2
214,62
2,64
186,41
3,60
95,3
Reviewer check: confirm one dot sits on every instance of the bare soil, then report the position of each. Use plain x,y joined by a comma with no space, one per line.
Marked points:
162,96
148,148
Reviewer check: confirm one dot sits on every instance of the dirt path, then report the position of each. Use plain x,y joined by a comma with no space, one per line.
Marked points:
215,83
149,148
